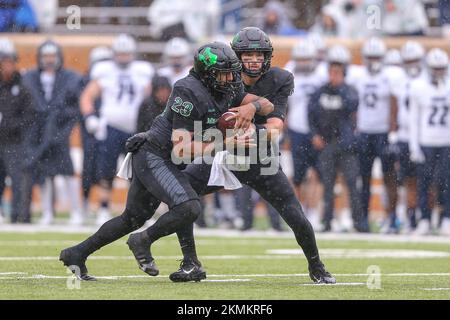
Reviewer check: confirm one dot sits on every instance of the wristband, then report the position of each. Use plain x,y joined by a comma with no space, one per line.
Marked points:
257,105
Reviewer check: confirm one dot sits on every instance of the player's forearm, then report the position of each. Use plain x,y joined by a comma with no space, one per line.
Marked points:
86,105
274,127
263,106
393,126
88,97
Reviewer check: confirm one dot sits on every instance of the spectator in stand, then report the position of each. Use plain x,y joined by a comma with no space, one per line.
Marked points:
191,19
404,18
353,17
276,20
230,21
46,13
17,16
329,22
15,119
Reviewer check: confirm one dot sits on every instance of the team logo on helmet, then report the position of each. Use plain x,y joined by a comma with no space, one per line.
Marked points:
207,57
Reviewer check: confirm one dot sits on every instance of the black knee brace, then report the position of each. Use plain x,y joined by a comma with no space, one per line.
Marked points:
189,210
132,220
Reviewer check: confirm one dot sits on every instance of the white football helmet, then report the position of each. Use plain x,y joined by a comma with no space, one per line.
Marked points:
177,47
124,49
373,52
437,64
320,45
177,53
304,54
411,51
100,54
412,54
339,54
124,44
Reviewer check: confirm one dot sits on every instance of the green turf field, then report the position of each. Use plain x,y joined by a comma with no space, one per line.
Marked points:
238,267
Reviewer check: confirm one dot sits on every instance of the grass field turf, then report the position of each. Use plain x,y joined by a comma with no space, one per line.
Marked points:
237,268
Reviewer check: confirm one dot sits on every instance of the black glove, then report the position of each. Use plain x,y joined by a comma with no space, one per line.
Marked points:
135,142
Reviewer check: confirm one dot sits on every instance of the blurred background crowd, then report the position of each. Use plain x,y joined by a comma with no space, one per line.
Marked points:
58,166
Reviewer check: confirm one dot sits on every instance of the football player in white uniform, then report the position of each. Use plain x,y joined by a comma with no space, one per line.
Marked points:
177,55
307,80
429,141
412,54
122,84
374,122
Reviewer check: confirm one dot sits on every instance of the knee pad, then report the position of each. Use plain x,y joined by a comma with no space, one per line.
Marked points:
190,210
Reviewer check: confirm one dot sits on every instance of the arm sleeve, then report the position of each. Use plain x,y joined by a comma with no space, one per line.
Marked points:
185,108
281,99
239,96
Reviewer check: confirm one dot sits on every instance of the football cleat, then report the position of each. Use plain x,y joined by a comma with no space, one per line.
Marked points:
319,275
190,270
76,263
141,252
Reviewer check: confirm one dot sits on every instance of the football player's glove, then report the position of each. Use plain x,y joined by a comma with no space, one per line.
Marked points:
135,142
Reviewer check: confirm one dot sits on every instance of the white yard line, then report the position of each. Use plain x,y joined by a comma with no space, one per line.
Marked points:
436,289
240,277
224,257
240,235
334,284
367,253
11,273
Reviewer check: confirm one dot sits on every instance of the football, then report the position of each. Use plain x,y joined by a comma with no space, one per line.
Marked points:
225,122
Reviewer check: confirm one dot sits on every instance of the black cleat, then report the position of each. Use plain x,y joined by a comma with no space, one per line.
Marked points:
319,275
76,263
141,252
189,271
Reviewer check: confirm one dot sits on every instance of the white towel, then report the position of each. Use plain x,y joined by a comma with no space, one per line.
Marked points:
126,169
220,174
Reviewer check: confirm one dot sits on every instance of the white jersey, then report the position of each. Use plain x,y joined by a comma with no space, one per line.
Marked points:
374,101
170,73
429,114
305,86
123,91
401,89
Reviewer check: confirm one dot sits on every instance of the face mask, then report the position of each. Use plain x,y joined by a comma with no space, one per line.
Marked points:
304,67
413,72
375,66
438,76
